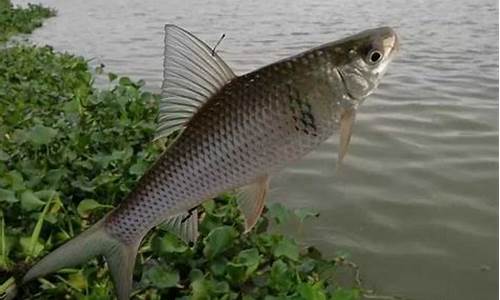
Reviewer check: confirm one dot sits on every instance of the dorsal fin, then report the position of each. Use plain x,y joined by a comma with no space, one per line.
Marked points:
193,73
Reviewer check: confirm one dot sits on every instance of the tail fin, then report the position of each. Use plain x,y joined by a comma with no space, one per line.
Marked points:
92,242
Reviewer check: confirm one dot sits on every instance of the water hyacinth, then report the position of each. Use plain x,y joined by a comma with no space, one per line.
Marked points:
69,152
67,144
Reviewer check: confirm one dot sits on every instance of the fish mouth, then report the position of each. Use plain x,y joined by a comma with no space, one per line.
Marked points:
391,42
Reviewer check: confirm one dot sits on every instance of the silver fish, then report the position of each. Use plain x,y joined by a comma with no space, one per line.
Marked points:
234,132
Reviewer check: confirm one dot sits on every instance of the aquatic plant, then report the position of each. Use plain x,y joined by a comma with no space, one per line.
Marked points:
14,20
70,151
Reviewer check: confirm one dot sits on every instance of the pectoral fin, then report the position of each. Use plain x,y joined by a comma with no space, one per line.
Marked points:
346,124
251,201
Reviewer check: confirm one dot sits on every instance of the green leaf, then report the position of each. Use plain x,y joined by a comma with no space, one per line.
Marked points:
169,243
29,201
4,156
138,168
218,266
16,180
160,277
8,196
42,135
248,257
200,289
54,176
305,213
125,81
85,207
6,244
281,277
244,264
78,280
31,247
204,289
218,240
280,213
195,274
112,76
287,248
311,292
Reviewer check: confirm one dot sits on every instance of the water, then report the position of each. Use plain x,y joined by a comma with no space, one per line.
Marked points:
416,202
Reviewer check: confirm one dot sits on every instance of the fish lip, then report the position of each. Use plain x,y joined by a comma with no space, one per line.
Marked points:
395,45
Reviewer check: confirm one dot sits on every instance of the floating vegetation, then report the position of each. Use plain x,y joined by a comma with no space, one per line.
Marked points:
69,152
14,20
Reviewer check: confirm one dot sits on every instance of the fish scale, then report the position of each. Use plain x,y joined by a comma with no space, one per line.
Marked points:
232,132
248,129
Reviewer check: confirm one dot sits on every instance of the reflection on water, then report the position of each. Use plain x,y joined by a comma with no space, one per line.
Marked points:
416,202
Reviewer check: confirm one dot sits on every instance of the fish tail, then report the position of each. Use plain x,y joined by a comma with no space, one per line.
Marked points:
120,257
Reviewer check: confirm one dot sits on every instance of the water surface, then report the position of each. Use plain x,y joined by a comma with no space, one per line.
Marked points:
416,202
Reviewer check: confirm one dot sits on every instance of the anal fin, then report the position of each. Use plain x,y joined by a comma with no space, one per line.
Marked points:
184,225
251,201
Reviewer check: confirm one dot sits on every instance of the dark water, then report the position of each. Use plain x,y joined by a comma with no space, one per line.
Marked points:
416,202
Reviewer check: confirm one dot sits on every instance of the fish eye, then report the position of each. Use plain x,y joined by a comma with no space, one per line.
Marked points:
374,56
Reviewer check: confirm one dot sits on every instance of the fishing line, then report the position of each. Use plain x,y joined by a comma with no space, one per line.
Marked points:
217,44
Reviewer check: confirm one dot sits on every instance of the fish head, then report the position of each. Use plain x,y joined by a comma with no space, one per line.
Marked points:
362,59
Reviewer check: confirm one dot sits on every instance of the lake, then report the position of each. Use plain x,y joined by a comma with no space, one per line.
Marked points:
415,203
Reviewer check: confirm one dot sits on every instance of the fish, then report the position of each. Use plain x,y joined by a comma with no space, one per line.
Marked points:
231,133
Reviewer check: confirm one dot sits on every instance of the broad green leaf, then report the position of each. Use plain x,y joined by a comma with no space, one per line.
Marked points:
218,266
72,106
16,180
279,213
138,168
169,243
54,176
30,201
218,240
204,289
8,196
42,135
4,156
125,81
281,278
112,76
311,292
305,213
248,257
85,207
78,280
244,264
31,248
160,277
287,248
200,289
195,274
